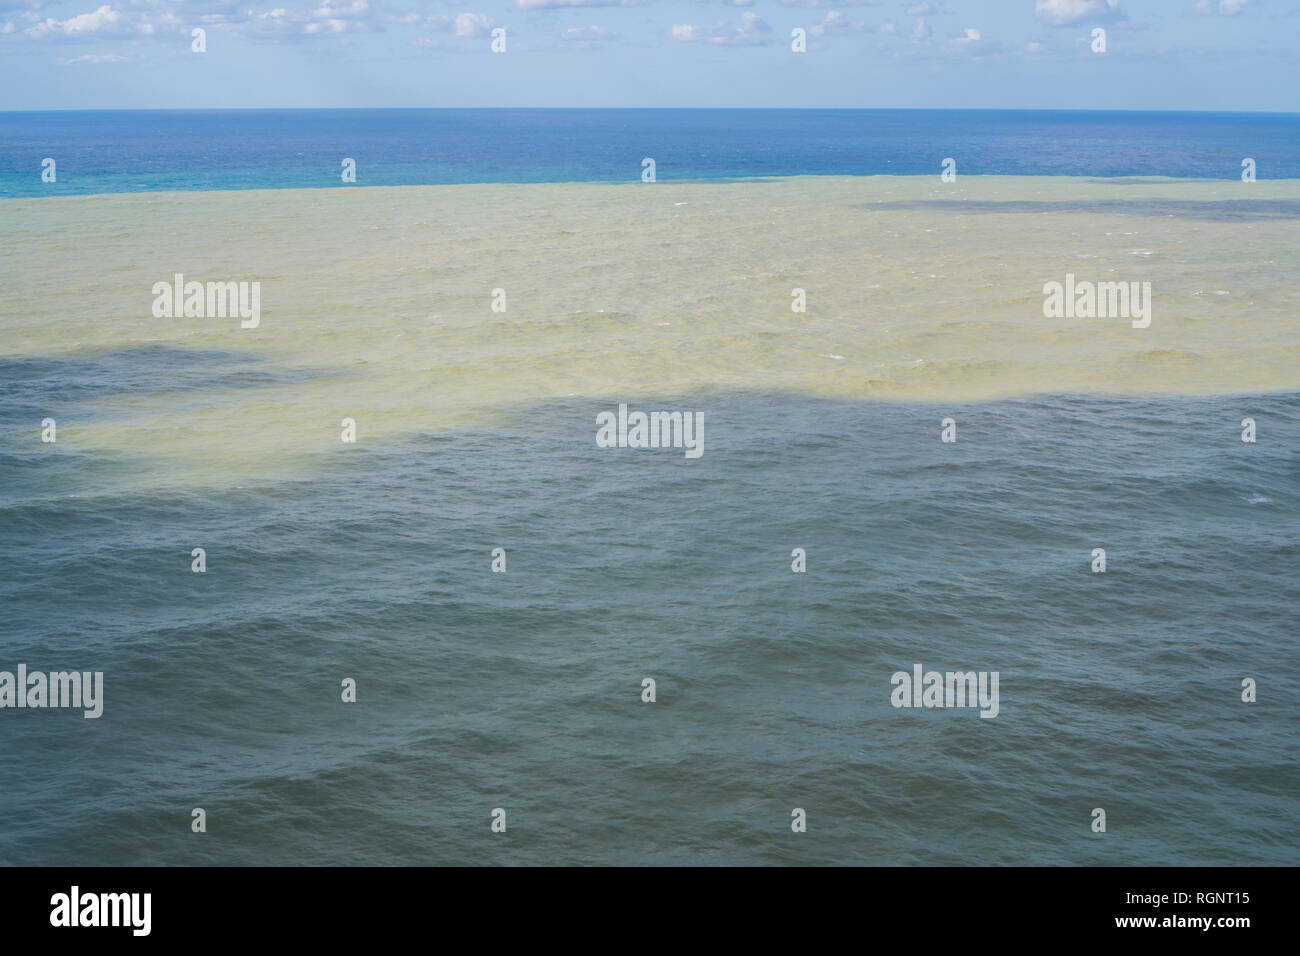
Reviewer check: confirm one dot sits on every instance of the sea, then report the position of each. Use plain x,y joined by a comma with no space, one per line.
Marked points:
366,586
144,150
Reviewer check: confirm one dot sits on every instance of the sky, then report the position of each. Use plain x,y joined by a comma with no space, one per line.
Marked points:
937,54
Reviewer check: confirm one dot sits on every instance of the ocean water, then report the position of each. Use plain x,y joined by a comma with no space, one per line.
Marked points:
476,430
522,690
145,150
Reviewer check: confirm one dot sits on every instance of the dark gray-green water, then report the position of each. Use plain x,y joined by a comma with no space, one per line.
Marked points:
522,690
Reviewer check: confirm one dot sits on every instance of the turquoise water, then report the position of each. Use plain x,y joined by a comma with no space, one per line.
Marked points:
522,690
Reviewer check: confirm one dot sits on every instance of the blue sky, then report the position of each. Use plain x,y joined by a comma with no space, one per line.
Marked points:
1020,54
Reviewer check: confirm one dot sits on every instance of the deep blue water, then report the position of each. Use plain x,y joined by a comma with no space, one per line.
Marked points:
138,151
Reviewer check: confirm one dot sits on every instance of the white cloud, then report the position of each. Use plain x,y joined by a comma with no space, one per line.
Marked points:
587,34
752,31
1060,13
924,9
79,25
472,24
1227,8
94,58
314,18
921,31
552,4
351,17
969,35
836,22
325,11
822,4
328,17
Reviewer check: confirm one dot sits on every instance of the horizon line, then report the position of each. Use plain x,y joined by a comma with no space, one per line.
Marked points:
785,109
